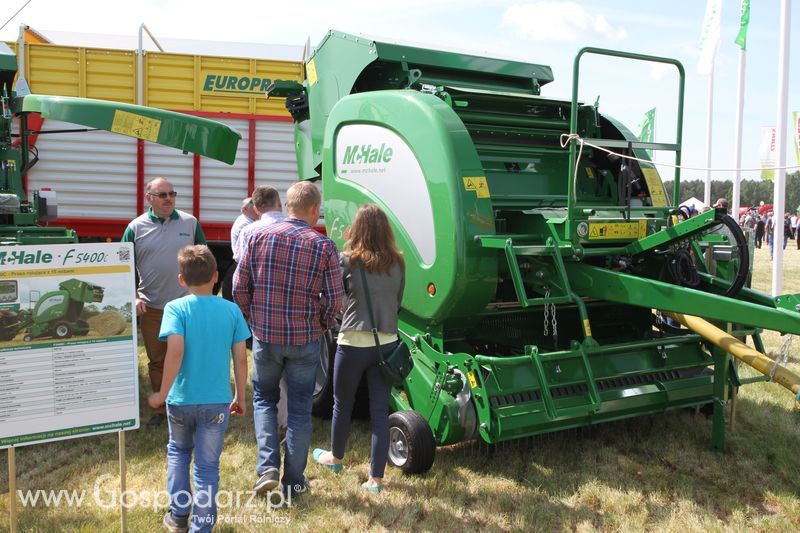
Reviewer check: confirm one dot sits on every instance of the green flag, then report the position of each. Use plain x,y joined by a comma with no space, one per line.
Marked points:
741,38
647,128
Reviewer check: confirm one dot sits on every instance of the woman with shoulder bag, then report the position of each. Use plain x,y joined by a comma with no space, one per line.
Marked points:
370,256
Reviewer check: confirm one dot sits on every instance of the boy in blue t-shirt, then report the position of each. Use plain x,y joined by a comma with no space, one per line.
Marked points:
201,331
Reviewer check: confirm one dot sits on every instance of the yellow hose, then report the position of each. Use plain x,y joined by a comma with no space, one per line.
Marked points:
779,374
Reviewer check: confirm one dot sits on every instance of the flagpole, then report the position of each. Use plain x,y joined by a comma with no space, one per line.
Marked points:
709,113
737,147
741,40
709,40
779,197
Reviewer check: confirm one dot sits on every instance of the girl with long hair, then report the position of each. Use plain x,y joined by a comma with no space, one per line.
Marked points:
370,247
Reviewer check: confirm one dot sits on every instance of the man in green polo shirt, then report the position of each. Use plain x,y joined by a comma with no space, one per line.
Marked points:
157,236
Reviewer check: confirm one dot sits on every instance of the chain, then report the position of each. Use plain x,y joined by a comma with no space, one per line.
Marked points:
550,317
782,357
546,311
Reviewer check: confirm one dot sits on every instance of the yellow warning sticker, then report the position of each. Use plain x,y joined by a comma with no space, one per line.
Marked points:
135,125
473,381
589,173
311,73
599,231
587,328
477,184
655,187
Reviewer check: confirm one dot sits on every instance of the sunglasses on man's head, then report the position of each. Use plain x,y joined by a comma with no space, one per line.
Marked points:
163,195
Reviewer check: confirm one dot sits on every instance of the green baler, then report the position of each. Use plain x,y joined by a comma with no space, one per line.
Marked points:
57,314
537,269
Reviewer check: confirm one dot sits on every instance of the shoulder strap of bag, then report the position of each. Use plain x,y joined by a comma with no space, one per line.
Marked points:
368,299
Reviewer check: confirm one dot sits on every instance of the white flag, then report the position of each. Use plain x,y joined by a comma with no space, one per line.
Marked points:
709,37
796,128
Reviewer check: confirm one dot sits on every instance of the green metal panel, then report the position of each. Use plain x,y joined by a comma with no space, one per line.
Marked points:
624,288
343,64
185,132
462,272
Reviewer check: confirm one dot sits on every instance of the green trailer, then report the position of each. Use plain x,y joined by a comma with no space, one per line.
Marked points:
542,250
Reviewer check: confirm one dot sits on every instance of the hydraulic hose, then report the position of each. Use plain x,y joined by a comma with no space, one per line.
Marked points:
779,374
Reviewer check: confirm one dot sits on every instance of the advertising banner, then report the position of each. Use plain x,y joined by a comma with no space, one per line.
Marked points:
766,153
68,354
796,136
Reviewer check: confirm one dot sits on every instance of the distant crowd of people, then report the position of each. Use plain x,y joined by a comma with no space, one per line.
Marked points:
759,220
762,220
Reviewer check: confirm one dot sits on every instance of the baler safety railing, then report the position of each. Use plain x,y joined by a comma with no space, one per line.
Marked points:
573,122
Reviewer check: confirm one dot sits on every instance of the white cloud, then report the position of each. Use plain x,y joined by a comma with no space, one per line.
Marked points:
658,71
559,21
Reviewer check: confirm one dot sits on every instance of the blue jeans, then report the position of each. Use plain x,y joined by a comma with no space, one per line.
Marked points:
772,246
199,428
300,363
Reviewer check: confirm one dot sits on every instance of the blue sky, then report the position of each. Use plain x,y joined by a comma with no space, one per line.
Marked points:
547,32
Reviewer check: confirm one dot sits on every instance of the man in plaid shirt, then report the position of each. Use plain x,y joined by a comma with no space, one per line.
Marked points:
289,286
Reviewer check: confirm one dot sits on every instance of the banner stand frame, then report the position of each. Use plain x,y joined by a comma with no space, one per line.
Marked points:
12,490
123,471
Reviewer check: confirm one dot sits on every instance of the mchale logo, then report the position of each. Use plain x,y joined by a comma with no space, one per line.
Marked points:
24,258
365,153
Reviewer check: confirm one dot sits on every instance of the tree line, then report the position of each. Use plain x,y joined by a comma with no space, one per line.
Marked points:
752,191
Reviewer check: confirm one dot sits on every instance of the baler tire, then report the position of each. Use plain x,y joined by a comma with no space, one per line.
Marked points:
62,330
744,256
322,397
412,447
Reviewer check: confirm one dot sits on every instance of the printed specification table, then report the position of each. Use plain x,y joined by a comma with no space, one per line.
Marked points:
57,380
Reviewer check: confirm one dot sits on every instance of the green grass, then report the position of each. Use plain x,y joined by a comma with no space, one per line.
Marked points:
648,473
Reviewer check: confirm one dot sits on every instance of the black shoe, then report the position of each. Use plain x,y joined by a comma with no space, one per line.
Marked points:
267,481
291,491
156,420
175,524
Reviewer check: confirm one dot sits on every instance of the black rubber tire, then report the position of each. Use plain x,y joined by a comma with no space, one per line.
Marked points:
62,330
322,398
744,256
412,447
